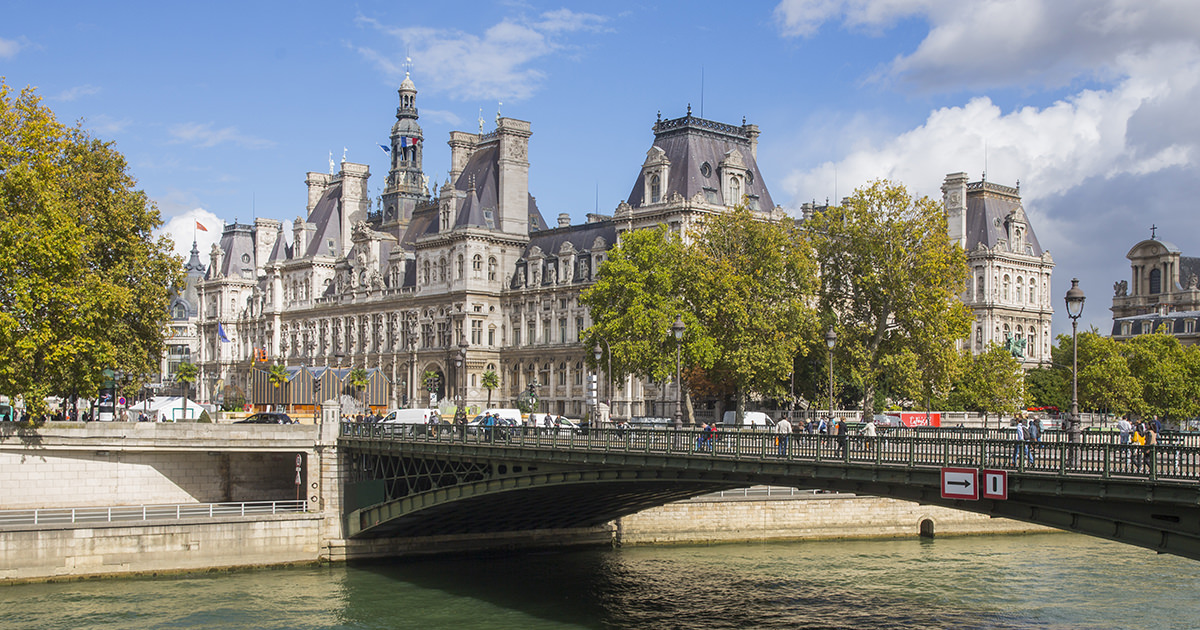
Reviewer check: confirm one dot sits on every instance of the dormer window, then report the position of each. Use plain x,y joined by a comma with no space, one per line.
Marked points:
655,173
655,189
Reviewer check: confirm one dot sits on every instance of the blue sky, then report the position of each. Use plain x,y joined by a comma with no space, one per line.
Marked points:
221,108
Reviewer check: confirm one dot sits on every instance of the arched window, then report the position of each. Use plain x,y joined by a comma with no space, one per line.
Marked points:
492,268
1005,288
735,191
1155,280
1033,291
477,264
655,188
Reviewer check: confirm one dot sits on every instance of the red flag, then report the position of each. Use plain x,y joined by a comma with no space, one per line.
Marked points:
201,227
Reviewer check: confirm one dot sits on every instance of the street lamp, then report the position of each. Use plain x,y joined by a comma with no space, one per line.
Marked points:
339,356
830,342
1075,300
461,363
677,329
412,367
598,352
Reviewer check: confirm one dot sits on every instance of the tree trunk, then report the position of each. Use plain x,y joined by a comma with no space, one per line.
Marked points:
740,402
689,411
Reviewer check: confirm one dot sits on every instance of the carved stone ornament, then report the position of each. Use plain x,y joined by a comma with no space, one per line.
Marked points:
1120,288
1192,282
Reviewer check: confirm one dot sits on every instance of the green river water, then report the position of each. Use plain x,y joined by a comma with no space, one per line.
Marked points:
1044,581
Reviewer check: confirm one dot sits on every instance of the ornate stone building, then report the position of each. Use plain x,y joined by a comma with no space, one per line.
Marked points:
1162,291
471,269
1008,277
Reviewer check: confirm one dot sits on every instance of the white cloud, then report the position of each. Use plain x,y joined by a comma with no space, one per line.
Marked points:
107,126
9,48
182,230
497,65
204,135
77,92
1007,42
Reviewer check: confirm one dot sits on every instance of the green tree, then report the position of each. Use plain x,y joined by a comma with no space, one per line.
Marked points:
891,278
989,383
358,379
1168,374
1048,387
490,381
751,287
277,376
637,294
83,283
186,374
1105,382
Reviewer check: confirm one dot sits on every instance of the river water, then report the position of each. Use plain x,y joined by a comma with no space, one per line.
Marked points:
1044,581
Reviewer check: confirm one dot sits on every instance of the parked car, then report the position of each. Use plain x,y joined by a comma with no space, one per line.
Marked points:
268,417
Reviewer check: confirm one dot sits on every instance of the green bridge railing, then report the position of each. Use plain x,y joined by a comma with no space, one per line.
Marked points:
1098,454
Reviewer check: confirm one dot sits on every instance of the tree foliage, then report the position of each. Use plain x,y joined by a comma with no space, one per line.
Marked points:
743,289
890,285
989,383
1167,373
490,381
83,284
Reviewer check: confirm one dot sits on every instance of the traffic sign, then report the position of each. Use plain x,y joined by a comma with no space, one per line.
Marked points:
960,483
995,484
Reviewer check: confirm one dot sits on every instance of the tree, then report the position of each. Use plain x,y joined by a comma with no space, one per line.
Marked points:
743,290
1105,382
890,281
358,379
1168,375
751,284
278,375
1048,387
989,383
490,381
83,284
186,374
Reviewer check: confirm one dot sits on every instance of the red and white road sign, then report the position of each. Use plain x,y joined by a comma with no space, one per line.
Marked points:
960,483
995,484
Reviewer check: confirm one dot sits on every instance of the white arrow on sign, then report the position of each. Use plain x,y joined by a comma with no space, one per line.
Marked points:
960,483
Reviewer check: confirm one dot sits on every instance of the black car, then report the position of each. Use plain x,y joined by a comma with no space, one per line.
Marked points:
268,417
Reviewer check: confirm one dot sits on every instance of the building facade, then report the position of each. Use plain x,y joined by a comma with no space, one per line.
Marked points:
1163,291
453,281
1008,272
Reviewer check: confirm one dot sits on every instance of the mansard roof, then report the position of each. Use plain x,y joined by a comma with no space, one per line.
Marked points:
237,242
691,142
326,215
583,238
988,208
281,251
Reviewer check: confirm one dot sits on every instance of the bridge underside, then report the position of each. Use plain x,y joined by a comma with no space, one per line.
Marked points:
414,489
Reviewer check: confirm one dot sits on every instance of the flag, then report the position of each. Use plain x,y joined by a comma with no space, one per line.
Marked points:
221,333
386,148
200,226
403,142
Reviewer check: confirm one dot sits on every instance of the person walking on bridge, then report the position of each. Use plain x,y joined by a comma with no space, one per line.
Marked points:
840,430
783,430
1126,429
1022,448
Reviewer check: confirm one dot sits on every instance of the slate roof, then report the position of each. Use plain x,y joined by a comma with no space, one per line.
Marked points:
1174,321
689,143
582,238
237,241
326,215
988,208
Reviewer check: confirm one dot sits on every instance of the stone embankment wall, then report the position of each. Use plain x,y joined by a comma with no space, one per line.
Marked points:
804,517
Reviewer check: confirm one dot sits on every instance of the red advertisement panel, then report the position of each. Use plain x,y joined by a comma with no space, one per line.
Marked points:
921,419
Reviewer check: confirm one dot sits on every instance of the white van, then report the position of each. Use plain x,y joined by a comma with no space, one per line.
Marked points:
412,417
756,420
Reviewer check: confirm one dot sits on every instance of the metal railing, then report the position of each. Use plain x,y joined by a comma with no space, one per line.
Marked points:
1096,454
136,513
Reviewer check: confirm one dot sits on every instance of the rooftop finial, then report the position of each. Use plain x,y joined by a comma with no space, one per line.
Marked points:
407,66
689,109
1153,229
498,104
331,171
481,121
344,150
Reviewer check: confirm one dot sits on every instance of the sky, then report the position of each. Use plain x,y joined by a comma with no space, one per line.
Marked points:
221,108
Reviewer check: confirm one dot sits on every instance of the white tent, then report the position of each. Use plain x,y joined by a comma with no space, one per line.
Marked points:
168,409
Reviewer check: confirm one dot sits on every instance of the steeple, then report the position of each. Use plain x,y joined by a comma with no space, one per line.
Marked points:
405,181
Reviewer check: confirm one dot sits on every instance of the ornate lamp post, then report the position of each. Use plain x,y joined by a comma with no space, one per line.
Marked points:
412,367
1075,300
677,329
599,353
830,342
461,364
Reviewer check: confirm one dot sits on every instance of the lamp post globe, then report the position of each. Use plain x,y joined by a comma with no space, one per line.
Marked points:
1074,299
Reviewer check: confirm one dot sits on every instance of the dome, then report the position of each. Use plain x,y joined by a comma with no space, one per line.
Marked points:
407,84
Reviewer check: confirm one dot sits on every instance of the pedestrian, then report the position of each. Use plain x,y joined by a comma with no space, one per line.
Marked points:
1126,429
841,431
1021,452
1148,449
868,431
1034,433
702,437
783,429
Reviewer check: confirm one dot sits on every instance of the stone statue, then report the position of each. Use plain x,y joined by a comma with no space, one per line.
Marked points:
1120,288
1192,283
1015,345
552,273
